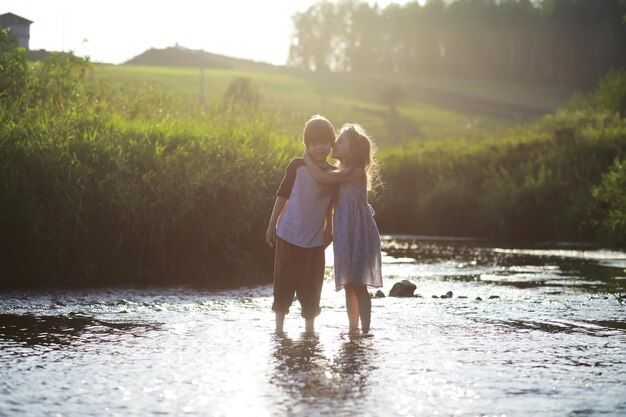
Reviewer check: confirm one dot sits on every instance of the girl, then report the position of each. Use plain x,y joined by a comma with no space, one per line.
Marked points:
356,242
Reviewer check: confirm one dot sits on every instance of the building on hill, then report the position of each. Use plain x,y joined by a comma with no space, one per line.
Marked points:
19,28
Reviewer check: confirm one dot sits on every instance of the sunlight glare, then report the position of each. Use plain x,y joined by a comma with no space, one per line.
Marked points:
247,29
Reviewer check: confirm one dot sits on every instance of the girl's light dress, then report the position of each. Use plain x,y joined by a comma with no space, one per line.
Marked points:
356,241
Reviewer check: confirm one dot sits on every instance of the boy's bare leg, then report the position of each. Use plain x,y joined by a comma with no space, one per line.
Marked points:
280,320
309,325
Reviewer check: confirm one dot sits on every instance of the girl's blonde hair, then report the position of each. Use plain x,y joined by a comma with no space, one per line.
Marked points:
362,152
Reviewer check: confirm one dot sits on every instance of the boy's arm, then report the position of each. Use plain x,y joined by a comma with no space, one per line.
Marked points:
282,196
270,234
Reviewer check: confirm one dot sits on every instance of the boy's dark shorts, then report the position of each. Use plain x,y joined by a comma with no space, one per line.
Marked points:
298,271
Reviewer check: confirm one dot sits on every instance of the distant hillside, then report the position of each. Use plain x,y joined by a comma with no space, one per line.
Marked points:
178,56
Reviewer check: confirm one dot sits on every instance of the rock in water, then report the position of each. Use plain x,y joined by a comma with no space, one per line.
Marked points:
379,294
403,288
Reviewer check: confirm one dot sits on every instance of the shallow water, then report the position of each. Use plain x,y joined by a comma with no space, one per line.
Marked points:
552,344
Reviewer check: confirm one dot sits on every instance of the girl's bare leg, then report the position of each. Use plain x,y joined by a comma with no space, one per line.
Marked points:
352,307
280,319
365,307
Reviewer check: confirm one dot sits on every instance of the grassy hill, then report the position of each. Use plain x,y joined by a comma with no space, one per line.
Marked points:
434,108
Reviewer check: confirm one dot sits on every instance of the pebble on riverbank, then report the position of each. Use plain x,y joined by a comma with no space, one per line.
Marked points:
406,288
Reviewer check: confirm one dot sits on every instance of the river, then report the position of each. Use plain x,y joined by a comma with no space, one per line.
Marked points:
546,338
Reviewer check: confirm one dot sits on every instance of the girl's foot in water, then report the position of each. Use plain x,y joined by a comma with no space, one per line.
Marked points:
355,334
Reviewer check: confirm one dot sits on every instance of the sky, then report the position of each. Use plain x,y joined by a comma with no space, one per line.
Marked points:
115,31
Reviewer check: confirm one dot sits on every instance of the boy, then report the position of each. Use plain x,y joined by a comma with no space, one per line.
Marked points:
300,228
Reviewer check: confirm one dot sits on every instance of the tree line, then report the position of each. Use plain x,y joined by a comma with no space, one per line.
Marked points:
564,44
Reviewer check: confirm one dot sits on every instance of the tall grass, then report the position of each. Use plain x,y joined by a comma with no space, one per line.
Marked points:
104,185
554,179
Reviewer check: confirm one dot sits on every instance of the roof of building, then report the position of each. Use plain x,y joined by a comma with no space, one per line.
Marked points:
7,16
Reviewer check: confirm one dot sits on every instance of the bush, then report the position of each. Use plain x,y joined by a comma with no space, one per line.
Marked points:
13,70
610,207
611,92
535,183
60,81
608,96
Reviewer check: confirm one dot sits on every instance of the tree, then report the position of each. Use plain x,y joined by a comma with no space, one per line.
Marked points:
312,41
566,44
392,96
241,92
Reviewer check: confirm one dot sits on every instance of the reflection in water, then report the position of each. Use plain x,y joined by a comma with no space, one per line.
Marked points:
599,328
307,370
542,267
55,330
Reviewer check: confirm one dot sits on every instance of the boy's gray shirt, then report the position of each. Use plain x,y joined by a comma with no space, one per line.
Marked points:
302,220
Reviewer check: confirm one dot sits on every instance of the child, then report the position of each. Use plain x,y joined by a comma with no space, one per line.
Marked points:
300,228
356,242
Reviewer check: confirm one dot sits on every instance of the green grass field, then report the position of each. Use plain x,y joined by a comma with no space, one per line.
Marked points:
434,108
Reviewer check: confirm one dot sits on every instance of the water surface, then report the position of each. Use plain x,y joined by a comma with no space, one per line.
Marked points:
551,342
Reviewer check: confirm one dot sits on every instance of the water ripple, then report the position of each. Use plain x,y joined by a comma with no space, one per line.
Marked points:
550,341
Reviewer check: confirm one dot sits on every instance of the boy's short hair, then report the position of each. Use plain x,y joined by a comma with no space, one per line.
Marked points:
318,129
